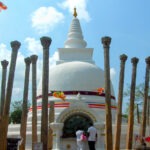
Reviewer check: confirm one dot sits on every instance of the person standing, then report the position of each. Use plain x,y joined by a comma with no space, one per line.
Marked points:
80,142
92,137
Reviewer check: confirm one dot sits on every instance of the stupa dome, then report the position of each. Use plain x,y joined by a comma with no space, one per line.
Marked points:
76,76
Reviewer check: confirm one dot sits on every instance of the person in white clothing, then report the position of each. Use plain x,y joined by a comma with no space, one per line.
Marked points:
80,142
92,137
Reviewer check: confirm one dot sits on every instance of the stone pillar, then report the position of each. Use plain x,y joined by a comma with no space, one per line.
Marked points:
34,103
123,59
25,104
100,138
51,119
143,123
4,64
109,144
51,112
45,41
57,132
148,111
138,115
15,45
129,137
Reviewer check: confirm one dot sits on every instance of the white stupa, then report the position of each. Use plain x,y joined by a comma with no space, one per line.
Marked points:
78,77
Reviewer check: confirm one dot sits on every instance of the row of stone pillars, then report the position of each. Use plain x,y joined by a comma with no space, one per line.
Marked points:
5,100
129,138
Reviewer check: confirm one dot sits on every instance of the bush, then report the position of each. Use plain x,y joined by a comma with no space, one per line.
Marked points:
16,116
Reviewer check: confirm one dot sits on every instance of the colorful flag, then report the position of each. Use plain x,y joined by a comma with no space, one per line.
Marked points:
2,6
60,95
100,90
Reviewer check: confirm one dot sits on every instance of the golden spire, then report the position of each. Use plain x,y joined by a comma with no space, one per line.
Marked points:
75,13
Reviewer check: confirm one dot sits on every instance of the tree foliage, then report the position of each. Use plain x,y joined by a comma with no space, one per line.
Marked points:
139,96
139,92
15,115
16,111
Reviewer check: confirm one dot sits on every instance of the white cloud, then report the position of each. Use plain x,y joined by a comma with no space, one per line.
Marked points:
45,19
81,8
33,45
53,59
4,52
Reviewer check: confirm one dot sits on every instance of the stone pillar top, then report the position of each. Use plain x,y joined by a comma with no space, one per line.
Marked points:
147,60
15,45
4,63
56,126
33,58
45,41
134,60
123,57
27,60
106,40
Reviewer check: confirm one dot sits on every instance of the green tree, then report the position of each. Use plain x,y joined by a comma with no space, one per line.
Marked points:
139,96
139,93
16,111
16,116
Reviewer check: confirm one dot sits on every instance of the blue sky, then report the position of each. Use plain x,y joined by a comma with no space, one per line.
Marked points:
126,22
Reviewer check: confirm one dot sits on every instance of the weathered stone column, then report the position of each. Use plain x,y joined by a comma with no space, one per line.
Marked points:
4,64
51,119
129,137
148,111
138,116
25,104
143,123
100,139
109,144
123,59
34,102
57,132
45,41
15,45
